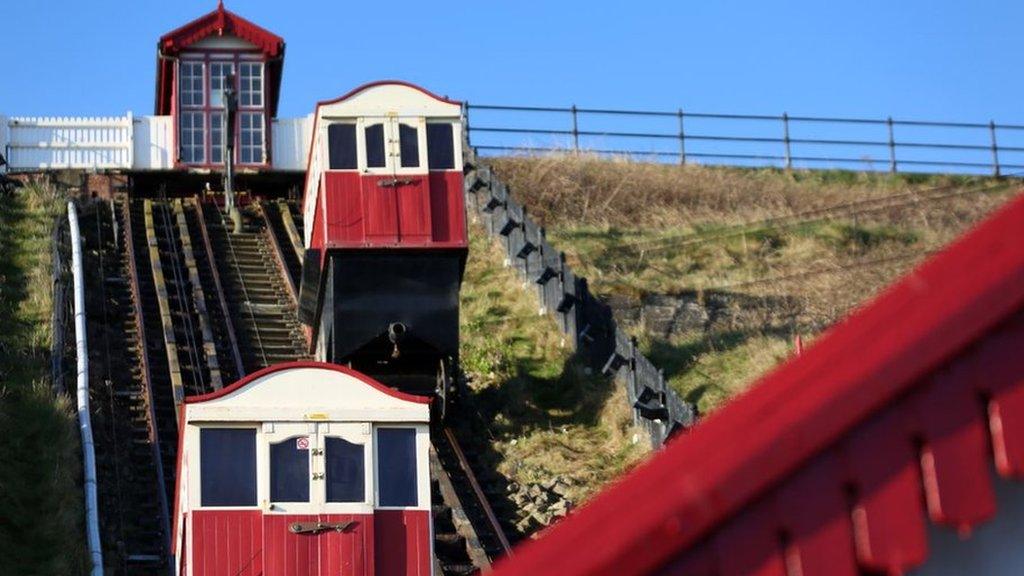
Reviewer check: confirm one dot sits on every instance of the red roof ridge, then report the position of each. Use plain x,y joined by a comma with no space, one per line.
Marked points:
221,21
249,378
854,372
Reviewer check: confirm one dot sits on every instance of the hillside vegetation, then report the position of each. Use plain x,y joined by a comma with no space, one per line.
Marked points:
40,498
555,433
718,269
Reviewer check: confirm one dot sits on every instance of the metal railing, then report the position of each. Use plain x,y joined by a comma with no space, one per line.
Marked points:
751,139
586,321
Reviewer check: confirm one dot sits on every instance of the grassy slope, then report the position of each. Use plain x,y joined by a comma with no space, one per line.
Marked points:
41,530
713,233
547,418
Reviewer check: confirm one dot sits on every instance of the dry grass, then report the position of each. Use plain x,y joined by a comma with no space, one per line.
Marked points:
801,248
547,417
41,525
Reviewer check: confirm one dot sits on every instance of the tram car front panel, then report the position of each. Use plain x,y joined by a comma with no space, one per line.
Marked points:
304,469
387,244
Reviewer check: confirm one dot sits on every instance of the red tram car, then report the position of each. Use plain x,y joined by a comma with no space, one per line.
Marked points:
386,234
303,469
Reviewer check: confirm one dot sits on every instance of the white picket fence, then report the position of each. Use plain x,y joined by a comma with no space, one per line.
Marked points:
123,142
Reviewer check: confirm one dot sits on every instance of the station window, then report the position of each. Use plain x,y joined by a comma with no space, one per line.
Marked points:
440,146
251,133
250,85
216,138
396,466
227,466
374,135
219,71
191,84
193,137
345,471
289,470
341,146
409,145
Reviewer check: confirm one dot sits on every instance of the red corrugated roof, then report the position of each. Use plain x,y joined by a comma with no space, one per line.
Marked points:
835,461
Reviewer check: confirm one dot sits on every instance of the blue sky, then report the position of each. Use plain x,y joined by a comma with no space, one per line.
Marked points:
936,59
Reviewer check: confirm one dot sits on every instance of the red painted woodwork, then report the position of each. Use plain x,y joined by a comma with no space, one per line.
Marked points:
888,526
813,511
895,393
349,552
403,542
414,211
226,542
218,22
755,530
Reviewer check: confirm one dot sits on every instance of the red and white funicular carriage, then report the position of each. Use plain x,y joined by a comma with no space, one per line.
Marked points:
303,469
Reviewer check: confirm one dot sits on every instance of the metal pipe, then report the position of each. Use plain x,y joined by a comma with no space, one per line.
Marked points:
92,523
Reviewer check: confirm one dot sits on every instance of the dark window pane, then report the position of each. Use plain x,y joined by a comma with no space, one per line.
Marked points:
341,146
396,466
440,146
227,466
289,471
345,472
409,144
375,146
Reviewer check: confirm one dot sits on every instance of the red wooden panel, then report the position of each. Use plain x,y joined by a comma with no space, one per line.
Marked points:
888,521
698,561
750,544
440,217
402,542
227,542
999,372
344,198
380,210
954,456
347,553
812,507
447,208
318,236
287,554
413,194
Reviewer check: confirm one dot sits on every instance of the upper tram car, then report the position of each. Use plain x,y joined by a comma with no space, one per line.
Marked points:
385,234
303,469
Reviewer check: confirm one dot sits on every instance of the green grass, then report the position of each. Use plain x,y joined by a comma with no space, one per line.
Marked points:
547,417
790,252
41,528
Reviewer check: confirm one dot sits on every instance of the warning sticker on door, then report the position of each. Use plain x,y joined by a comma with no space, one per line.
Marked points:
302,443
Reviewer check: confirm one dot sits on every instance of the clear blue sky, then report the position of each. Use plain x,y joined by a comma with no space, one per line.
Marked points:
912,59
936,59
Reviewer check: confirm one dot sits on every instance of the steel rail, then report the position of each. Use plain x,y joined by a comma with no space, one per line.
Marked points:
229,326
167,323
282,266
478,492
147,379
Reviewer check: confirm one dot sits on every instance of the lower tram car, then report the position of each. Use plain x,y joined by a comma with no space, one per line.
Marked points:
303,469
385,235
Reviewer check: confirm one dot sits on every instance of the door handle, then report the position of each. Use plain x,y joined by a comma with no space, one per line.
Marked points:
319,527
396,182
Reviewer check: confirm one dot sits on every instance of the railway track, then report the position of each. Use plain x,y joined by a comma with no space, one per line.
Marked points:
180,306
133,486
257,293
468,535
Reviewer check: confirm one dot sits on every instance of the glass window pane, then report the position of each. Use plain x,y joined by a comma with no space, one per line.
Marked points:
375,146
345,474
289,470
227,466
440,146
409,145
341,146
396,466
